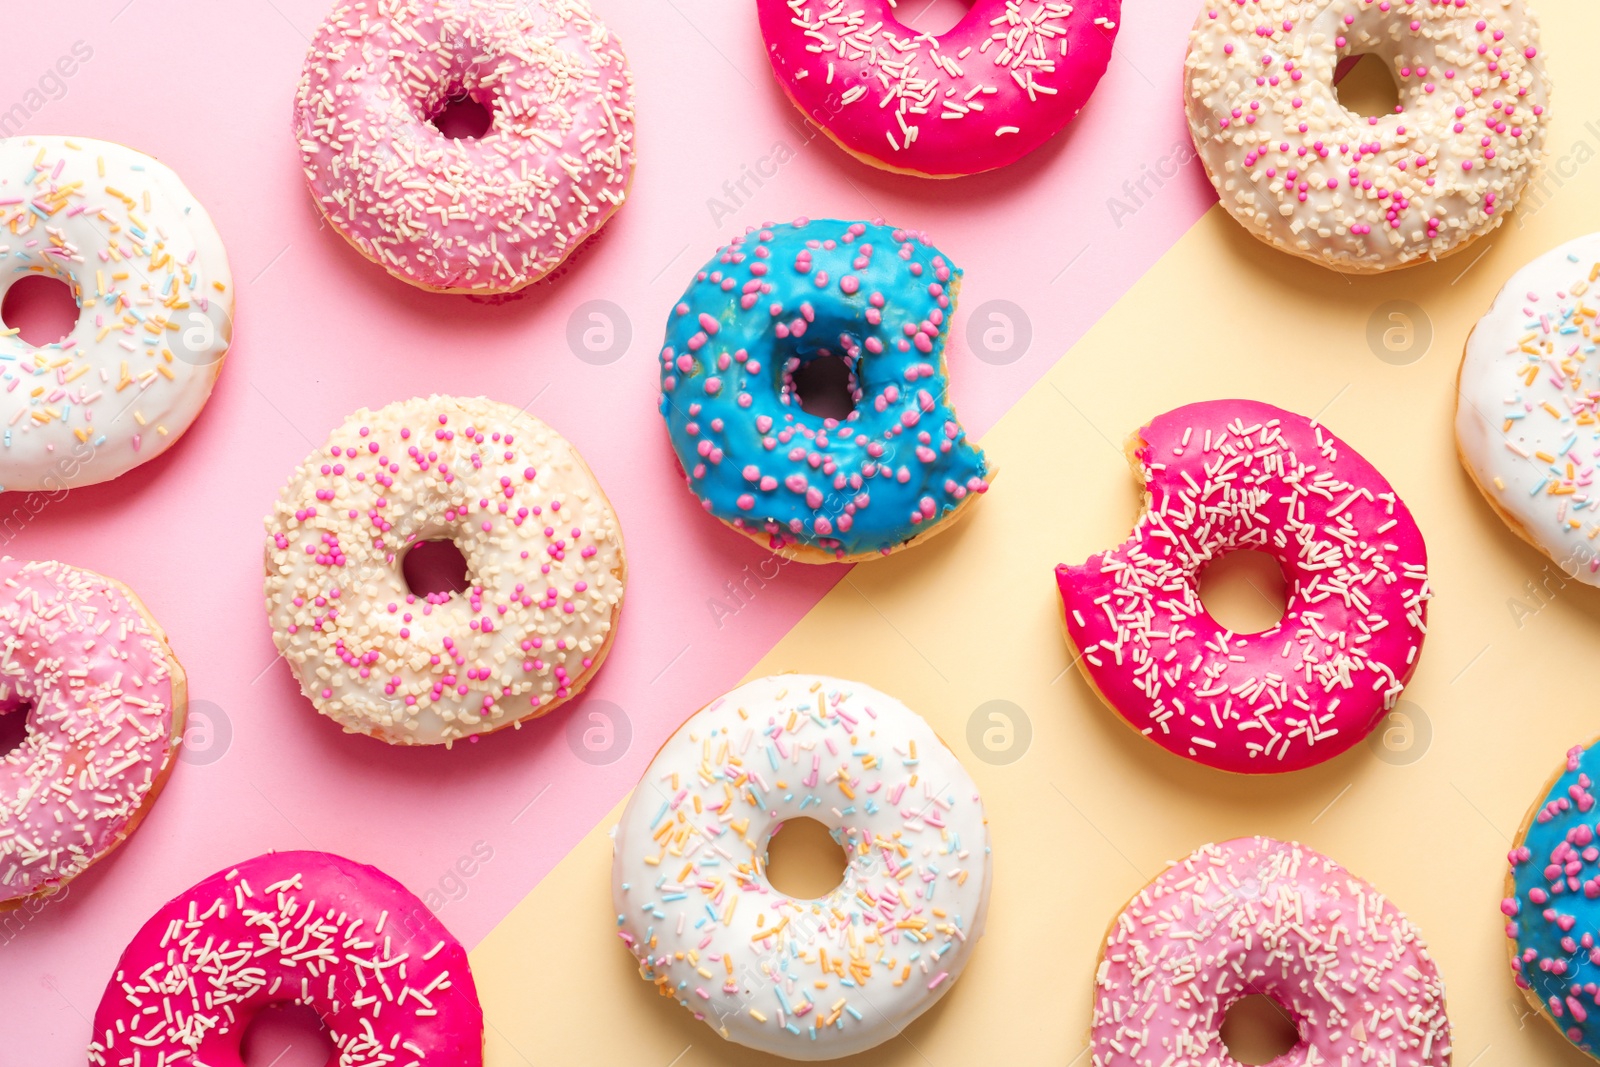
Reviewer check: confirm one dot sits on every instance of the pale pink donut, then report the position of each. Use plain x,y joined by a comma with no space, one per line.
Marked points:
1258,916
489,215
997,85
1225,475
105,701
388,980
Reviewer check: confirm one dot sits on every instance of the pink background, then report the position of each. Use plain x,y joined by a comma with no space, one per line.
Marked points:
206,87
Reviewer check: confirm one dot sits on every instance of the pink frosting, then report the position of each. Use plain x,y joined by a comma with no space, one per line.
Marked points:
993,88
104,700
389,982
491,214
1237,474
1258,916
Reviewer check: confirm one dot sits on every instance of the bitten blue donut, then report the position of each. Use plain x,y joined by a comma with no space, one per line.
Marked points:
1552,902
898,468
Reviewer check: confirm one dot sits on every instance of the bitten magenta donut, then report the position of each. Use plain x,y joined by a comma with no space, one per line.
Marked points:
1367,194
1237,474
489,215
997,85
150,275
804,979
105,701
545,568
383,974
1552,902
1526,408
1258,916
895,471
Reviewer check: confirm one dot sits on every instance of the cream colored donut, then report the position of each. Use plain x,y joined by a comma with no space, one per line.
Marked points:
1526,411
805,979
1306,175
545,567
151,279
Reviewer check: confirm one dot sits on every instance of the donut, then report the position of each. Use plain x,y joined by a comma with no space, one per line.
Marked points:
545,568
1552,902
1526,406
997,85
388,981
155,296
804,979
105,701
490,215
895,471
1225,475
1261,917
1367,194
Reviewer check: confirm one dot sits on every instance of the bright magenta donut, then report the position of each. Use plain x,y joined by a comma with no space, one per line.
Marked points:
1237,474
997,85
384,975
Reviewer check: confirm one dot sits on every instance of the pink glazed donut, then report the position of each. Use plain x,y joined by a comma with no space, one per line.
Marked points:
997,85
385,976
466,216
1258,916
1227,475
105,701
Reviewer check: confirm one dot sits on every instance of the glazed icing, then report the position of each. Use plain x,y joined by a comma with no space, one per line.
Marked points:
1526,415
1552,906
105,702
388,981
897,466
544,564
486,215
1236,474
1355,193
805,979
1258,916
150,275
985,93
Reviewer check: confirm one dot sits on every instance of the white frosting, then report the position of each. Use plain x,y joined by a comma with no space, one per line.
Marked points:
545,571
151,276
1304,174
805,979
1526,418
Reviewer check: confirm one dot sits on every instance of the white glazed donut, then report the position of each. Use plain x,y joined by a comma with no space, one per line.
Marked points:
1367,194
805,979
544,557
149,272
1526,415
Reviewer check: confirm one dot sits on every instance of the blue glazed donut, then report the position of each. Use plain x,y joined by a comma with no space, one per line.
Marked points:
1552,902
898,468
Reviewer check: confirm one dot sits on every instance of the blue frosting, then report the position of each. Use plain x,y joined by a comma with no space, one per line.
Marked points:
775,299
1554,916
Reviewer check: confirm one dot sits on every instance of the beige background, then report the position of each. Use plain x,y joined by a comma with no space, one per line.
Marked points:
1091,811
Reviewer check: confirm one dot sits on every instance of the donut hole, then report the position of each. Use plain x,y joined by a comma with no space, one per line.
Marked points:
434,570
14,716
41,309
1257,1029
286,1035
1245,591
936,17
825,386
803,860
1364,85
463,116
